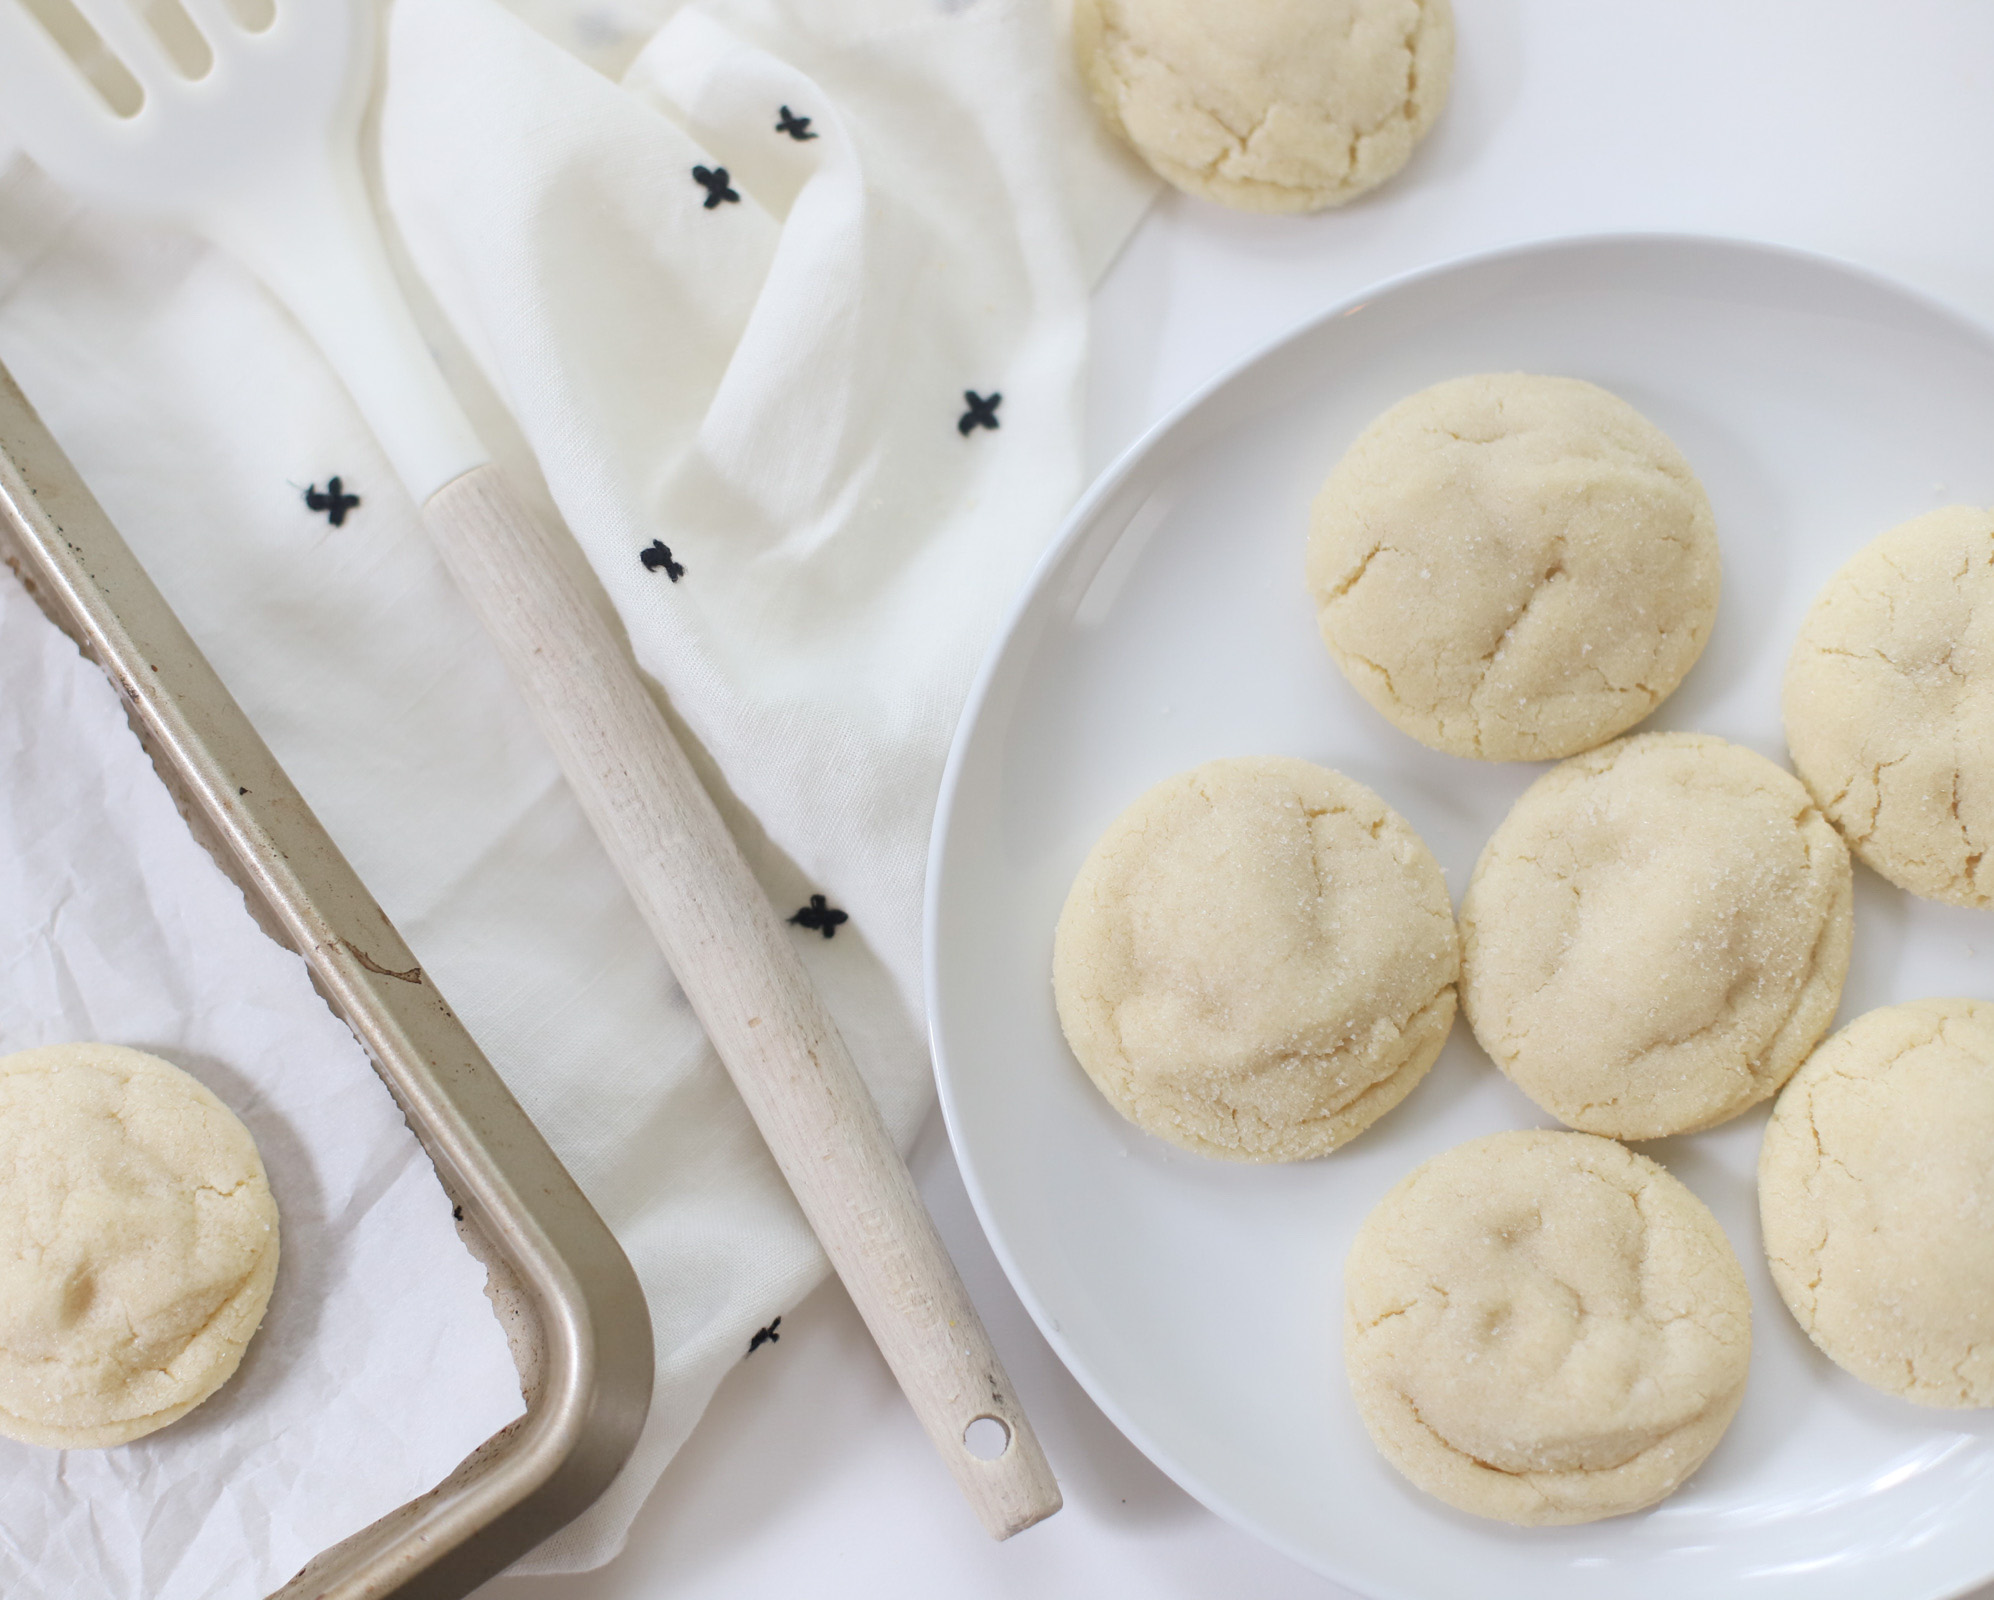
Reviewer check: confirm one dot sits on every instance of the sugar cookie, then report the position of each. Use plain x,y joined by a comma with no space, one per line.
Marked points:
138,1244
1545,1327
1257,960
1656,935
1268,105
1876,1194
1889,704
1513,567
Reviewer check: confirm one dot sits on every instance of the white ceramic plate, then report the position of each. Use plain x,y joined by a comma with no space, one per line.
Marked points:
1200,1302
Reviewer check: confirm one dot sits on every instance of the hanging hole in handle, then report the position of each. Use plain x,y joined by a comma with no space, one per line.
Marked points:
986,1438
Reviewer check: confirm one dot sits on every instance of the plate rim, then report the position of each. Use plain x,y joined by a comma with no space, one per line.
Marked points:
1105,485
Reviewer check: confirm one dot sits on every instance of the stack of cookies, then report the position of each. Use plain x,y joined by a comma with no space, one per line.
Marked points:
1259,958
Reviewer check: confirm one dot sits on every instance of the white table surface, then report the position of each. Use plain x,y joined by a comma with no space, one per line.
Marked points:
1862,130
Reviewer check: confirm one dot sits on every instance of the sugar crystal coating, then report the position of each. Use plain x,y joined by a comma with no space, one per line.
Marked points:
1889,704
1544,1327
1513,567
1268,105
1876,1197
1257,960
1656,935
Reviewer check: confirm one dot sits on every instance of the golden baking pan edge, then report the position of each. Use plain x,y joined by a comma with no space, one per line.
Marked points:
571,1305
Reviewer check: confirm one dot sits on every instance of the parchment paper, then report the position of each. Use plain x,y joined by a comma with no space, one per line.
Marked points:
380,1364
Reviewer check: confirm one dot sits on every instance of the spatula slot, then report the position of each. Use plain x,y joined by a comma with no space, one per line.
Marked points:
189,52
253,16
75,38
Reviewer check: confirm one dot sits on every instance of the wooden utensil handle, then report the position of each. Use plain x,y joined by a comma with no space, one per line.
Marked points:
741,972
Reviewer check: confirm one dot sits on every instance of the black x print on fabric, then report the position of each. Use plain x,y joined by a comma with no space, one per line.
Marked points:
714,181
658,555
982,413
335,502
798,128
764,1336
820,914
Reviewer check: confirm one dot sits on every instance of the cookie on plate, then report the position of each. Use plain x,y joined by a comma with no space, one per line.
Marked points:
1513,567
1656,935
1889,704
1257,960
1268,105
1876,1195
138,1244
1544,1327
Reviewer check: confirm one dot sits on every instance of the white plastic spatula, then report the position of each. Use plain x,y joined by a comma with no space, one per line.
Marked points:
238,118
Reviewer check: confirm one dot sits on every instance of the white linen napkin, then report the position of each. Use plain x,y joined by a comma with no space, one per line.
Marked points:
752,309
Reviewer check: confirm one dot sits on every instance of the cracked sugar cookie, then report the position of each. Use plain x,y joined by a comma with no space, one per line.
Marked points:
1656,935
138,1244
1889,704
1513,567
1545,1327
1268,105
1257,960
1876,1196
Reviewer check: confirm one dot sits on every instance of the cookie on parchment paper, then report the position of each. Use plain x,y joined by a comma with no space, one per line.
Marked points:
138,1244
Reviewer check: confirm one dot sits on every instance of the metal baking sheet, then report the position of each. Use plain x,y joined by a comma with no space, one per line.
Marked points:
566,1294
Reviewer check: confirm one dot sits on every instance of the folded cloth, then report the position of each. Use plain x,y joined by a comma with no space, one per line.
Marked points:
789,316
